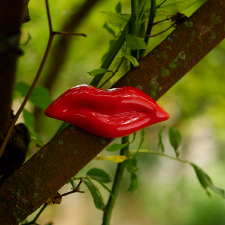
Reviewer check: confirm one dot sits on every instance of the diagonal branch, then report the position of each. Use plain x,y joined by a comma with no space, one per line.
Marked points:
69,151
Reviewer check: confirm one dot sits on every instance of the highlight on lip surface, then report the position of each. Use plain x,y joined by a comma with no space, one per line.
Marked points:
109,113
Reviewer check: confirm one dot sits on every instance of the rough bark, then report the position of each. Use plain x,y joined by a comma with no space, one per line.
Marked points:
68,152
10,21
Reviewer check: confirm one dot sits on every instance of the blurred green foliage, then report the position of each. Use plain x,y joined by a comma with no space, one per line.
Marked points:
168,191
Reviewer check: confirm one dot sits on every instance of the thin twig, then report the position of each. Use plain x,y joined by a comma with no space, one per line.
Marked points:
51,36
33,84
76,190
37,216
113,73
161,4
160,21
69,33
161,31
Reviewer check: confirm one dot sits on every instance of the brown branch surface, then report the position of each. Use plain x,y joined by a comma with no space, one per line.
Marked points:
68,152
10,21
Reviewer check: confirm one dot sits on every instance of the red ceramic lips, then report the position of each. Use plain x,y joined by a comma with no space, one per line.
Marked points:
107,113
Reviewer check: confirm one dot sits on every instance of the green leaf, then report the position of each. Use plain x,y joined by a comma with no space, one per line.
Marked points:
36,138
40,97
112,158
175,139
131,59
170,7
131,165
98,71
28,118
119,7
115,147
109,29
141,141
134,137
160,144
104,186
99,175
133,182
73,184
98,201
111,43
29,121
206,181
117,19
134,42
21,88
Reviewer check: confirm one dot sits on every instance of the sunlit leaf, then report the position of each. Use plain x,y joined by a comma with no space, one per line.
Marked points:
98,71
206,181
117,19
115,147
174,6
134,42
175,139
99,175
116,158
119,7
131,59
160,144
99,204
133,183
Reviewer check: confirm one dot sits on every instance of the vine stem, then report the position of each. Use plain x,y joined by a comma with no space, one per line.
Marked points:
161,31
151,19
162,154
51,36
116,184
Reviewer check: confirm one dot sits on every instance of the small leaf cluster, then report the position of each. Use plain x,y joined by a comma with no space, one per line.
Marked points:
102,178
39,98
175,141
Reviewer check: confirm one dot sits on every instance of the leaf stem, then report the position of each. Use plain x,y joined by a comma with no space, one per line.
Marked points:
116,184
112,54
162,154
115,49
161,31
37,216
135,25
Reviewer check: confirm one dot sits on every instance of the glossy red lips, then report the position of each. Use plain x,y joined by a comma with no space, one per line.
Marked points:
107,113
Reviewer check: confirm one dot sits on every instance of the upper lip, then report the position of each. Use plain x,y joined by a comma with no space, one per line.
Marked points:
108,113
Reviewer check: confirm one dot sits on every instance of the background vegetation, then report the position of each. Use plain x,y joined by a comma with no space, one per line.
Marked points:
168,192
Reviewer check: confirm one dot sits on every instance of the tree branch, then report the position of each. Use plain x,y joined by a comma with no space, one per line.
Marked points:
69,151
